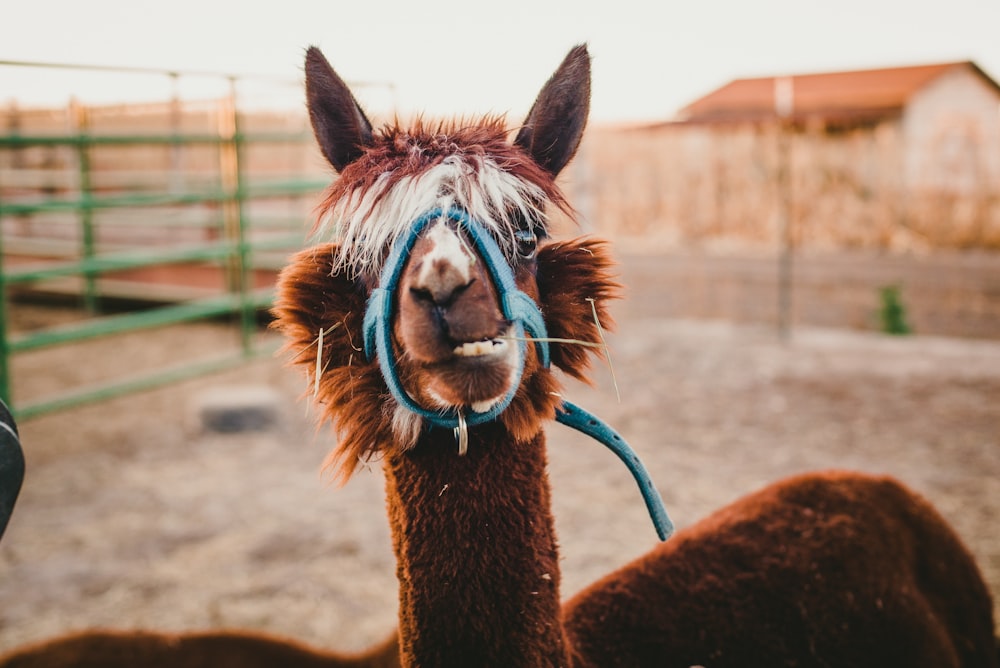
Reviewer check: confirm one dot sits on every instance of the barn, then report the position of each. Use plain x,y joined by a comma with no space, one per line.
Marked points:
890,157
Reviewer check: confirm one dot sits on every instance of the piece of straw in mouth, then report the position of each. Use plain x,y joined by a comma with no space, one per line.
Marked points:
603,345
553,339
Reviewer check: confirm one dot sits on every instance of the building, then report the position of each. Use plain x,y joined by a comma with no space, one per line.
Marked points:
947,115
901,158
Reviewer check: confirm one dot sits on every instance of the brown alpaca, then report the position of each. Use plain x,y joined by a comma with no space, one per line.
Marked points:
834,569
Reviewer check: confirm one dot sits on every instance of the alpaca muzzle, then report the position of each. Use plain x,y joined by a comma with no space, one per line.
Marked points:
516,306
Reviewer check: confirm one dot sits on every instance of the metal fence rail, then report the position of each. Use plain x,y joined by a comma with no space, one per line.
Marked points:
232,244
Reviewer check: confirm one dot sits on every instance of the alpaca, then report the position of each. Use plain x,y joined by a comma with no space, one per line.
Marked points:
444,374
833,569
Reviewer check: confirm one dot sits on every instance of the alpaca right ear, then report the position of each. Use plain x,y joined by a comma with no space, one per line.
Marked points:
341,127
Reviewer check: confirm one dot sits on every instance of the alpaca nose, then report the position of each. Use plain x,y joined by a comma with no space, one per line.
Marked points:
445,272
441,287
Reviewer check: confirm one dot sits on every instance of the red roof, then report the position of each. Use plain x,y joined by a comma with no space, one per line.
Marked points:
863,95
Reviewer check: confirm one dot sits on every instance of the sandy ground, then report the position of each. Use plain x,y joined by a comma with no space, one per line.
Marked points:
134,515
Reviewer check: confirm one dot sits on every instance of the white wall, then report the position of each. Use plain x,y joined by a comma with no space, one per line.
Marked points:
951,131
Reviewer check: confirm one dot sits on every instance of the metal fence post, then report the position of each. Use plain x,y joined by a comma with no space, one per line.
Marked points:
784,106
81,122
786,231
234,218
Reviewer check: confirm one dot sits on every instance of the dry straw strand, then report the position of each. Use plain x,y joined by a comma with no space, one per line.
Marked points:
319,356
604,345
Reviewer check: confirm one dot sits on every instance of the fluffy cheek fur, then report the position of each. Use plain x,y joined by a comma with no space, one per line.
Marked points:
574,278
351,391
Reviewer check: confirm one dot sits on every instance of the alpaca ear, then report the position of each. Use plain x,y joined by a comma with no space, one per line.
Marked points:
551,133
341,127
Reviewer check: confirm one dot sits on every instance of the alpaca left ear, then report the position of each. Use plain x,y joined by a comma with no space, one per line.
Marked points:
552,131
340,126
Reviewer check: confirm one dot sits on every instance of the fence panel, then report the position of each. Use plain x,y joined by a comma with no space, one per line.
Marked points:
188,208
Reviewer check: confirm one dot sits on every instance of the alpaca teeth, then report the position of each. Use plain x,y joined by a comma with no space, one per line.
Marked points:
478,348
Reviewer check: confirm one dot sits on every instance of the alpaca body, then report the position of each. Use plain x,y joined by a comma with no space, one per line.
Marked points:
827,570
831,569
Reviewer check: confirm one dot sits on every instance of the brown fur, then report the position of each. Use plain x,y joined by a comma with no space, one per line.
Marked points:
478,563
833,569
569,274
397,152
830,569
223,649
351,391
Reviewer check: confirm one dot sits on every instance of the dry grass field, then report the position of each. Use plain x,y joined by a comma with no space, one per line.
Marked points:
134,515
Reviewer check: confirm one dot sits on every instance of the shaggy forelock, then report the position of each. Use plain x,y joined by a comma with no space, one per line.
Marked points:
407,174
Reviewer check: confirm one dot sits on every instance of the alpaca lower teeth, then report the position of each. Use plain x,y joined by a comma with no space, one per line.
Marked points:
478,348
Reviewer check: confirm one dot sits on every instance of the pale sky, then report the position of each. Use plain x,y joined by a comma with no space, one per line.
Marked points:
464,56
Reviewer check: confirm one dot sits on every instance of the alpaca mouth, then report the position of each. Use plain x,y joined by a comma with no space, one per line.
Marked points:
477,374
487,348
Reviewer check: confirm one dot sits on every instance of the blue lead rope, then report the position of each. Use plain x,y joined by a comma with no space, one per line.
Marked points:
521,310
573,416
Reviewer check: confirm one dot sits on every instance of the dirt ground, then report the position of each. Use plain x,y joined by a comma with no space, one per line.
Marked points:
134,515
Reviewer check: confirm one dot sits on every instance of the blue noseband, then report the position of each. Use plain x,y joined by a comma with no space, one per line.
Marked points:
519,309
516,306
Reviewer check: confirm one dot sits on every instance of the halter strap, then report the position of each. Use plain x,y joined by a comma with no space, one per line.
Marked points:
521,310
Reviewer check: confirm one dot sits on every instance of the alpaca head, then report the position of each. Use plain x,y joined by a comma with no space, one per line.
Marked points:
452,341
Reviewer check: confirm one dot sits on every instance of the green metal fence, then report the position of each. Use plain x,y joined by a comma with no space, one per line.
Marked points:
234,241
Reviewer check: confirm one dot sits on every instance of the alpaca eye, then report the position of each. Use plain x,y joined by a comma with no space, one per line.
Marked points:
527,244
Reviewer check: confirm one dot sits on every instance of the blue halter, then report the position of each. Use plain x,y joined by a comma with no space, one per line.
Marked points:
518,308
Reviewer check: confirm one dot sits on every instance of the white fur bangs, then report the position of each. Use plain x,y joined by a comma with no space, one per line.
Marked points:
367,223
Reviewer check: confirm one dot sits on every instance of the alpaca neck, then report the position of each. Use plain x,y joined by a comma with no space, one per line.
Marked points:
476,552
